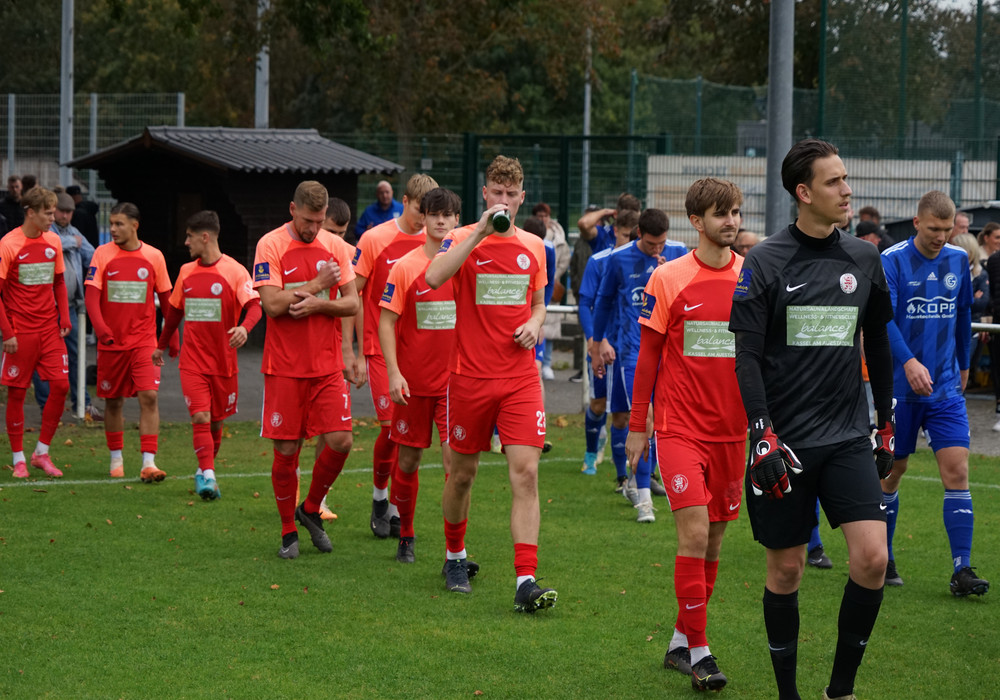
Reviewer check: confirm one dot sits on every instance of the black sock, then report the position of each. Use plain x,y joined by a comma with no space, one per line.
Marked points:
781,620
858,612
286,540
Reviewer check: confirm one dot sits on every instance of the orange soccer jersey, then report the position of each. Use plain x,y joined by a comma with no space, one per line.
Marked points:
426,325
493,290
378,250
310,346
211,297
696,392
29,265
127,280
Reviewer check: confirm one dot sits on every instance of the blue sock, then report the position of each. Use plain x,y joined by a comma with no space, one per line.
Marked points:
593,424
653,461
814,539
618,436
891,511
643,473
958,521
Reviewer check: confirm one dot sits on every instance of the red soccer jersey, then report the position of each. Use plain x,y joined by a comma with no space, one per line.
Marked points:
696,392
211,297
378,250
310,346
30,265
426,325
127,280
493,290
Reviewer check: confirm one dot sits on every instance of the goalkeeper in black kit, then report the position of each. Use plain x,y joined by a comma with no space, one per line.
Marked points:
802,300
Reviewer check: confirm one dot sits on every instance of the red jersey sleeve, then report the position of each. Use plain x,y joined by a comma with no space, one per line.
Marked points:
177,296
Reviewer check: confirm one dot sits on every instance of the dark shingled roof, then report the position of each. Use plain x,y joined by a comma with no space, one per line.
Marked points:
285,151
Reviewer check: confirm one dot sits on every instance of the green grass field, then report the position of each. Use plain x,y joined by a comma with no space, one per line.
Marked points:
121,589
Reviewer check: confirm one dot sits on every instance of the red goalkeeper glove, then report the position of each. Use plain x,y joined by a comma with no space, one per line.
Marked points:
770,461
884,445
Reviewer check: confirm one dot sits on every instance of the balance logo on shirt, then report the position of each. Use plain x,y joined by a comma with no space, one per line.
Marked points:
501,290
30,274
816,326
938,307
708,339
436,315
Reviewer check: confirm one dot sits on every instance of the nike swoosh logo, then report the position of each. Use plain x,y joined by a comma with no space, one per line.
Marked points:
288,272
881,506
540,432
112,274
23,256
863,642
691,308
390,262
790,288
483,262
199,449
420,293
775,648
345,418
692,607
156,381
734,507
188,289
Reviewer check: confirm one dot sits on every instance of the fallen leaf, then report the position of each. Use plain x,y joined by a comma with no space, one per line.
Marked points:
190,503
51,541
623,591
241,602
39,490
561,422
478,692
549,501
108,522
138,517
68,443
657,564
256,494
127,487
649,638
275,586
306,589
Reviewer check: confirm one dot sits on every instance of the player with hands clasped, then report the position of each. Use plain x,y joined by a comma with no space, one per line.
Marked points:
802,299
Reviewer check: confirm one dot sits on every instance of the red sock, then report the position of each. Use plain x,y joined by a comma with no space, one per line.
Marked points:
525,559
327,468
116,441
15,417
395,474
689,584
383,455
711,572
217,440
404,489
54,408
147,443
284,481
454,535
202,439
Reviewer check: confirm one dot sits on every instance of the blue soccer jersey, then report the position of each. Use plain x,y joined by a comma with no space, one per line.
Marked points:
626,273
932,310
604,240
589,287
550,270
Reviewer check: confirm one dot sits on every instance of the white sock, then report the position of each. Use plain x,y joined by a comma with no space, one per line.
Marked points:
522,579
452,556
379,494
678,640
148,459
645,495
699,653
41,449
393,511
18,457
209,474
116,455
199,472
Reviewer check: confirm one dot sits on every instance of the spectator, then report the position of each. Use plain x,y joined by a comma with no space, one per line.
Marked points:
85,215
28,181
870,213
989,241
10,207
980,297
868,230
384,208
744,241
961,225
993,273
555,235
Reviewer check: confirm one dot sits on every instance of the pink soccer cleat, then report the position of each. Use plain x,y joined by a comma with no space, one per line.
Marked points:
44,462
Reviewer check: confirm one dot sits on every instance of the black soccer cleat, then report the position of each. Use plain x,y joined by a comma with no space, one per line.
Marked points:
471,568
314,524
892,577
965,582
531,597
817,558
394,526
380,518
456,576
404,552
678,659
705,675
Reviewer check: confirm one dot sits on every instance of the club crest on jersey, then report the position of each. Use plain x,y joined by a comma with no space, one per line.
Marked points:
387,293
13,371
105,385
648,303
216,288
678,483
142,273
50,253
458,432
383,401
261,272
523,262
402,427
848,283
743,283
276,419
950,280
232,399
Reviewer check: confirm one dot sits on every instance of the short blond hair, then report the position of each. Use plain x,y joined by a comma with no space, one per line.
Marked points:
312,195
937,204
418,185
505,171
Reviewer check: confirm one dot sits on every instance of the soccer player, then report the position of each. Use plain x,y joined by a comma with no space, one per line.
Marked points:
596,418
378,250
601,236
803,296
932,301
499,283
209,295
687,353
298,268
34,318
625,276
124,274
415,324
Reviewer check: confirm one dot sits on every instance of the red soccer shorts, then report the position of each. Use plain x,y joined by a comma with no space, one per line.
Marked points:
297,408
413,424
210,392
124,373
701,473
378,383
513,404
44,352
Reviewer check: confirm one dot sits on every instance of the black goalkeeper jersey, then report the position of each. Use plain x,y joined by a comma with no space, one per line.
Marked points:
810,299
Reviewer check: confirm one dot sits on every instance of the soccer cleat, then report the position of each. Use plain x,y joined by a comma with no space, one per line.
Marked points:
678,659
817,558
827,696
656,488
380,518
21,470
589,464
394,526
621,484
404,552
456,577
547,373
892,577
471,568
531,597
117,469
92,414
645,512
314,524
324,512
209,490
44,462
152,473
495,446
965,582
705,675
546,447
199,484
631,491
291,549
577,378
